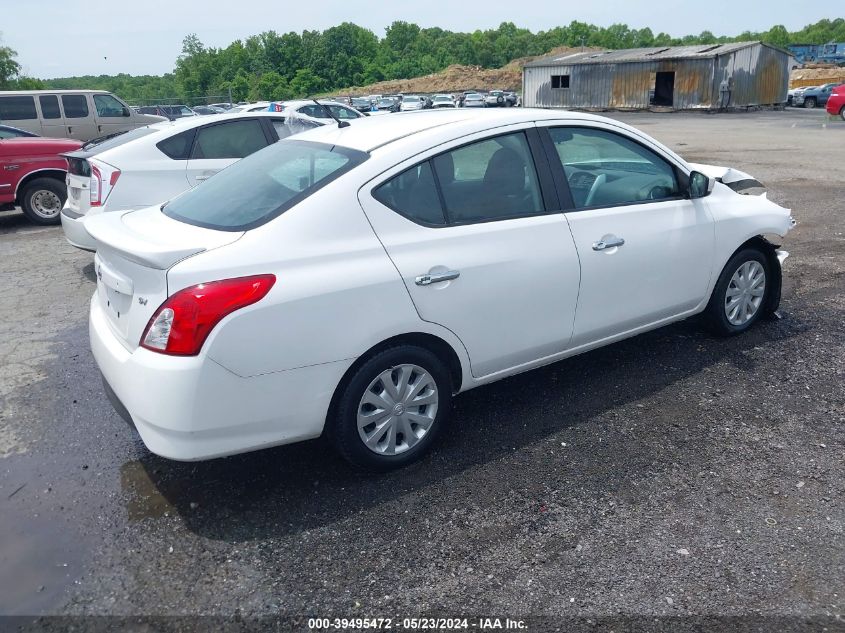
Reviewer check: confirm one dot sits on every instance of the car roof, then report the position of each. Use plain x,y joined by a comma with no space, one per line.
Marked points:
369,133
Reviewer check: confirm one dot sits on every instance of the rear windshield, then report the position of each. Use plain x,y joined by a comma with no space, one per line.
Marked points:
263,185
116,139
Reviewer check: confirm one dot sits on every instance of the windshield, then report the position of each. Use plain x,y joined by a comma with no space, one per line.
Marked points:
386,102
442,98
263,185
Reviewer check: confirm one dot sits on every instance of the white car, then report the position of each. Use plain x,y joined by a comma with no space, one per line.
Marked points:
349,281
412,102
442,101
474,100
152,164
307,109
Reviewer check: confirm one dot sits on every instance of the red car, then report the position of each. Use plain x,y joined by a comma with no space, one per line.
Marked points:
32,175
836,101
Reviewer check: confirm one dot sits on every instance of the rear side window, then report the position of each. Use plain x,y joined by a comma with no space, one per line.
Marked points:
17,108
177,147
235,139
263,185
413,194
50,107
108,106
76,106
491,179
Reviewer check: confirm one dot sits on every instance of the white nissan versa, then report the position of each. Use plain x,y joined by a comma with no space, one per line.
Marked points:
349,281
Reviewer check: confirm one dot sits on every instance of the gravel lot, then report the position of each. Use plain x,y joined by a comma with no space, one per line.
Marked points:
673,474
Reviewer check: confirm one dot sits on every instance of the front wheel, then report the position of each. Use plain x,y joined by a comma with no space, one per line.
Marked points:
810,103
43,199
739,298
391,409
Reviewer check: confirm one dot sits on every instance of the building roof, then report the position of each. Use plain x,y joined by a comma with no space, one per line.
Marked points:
657,53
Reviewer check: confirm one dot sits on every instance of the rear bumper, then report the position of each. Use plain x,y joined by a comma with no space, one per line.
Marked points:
73,226
191,408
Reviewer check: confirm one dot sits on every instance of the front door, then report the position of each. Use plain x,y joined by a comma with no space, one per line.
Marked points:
481,251
112,115
218,145
646,251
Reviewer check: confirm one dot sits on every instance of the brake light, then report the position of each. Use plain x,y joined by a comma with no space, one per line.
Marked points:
103,179
183,322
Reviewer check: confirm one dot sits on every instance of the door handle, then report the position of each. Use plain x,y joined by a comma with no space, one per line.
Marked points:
69,130
610,243
427,280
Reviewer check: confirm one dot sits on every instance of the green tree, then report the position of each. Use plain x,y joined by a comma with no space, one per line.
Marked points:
9,67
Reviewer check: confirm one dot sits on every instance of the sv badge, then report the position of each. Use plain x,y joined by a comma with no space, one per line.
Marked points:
142,301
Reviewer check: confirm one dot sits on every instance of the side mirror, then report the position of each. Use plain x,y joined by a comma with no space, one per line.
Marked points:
700,185
126,111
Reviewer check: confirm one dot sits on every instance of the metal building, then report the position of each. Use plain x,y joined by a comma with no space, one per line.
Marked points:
707,77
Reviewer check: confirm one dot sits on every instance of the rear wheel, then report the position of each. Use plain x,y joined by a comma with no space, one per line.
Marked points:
43,199
391,409
739,297
842,112
810,102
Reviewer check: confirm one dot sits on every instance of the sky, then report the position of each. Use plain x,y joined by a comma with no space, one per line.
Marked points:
60,38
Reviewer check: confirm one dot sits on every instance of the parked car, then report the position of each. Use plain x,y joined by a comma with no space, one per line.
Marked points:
511,99
344,282
206,110
496,99
362,104
156,163
793,92
814,97
474,100
412,102
309,110
79,114
836,101
32,176
442,101
388,104
222,106
7,131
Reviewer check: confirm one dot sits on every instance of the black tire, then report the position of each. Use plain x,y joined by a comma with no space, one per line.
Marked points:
842,112
810,102
342,425
35,196
714,315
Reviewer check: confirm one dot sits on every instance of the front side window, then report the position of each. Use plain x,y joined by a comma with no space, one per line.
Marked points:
491,179
108,106
50,107
263,185
235,139
17,108
606,169
76,106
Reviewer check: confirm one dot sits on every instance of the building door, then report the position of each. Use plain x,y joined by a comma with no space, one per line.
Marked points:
664,88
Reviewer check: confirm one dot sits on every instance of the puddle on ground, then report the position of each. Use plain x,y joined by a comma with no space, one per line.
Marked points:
144,499
40,558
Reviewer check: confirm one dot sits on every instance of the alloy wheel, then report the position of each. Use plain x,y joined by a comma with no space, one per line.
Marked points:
745,292
397,409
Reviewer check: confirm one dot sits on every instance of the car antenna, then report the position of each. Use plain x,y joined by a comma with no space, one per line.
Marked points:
329,112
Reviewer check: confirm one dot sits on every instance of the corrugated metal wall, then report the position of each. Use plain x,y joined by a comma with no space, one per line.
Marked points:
760,76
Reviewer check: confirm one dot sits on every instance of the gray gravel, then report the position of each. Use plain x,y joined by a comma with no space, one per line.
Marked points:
671,474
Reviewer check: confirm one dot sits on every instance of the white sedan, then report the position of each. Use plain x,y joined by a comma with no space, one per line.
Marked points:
350,281
154,163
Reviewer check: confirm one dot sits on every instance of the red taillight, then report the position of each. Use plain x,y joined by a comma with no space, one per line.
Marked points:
103,180
183,322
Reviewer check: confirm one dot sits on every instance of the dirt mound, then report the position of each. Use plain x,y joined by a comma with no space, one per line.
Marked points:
457,78
816,75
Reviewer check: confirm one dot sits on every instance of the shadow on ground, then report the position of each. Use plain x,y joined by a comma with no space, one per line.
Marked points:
288,489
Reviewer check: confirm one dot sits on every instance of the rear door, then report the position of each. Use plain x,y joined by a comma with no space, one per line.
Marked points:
52,121
80,122
19,111
218,145
482,247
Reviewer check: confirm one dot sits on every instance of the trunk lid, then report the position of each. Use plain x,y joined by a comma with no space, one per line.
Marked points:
134,252
78,182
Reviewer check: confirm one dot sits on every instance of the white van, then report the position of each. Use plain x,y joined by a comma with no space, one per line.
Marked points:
79,114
